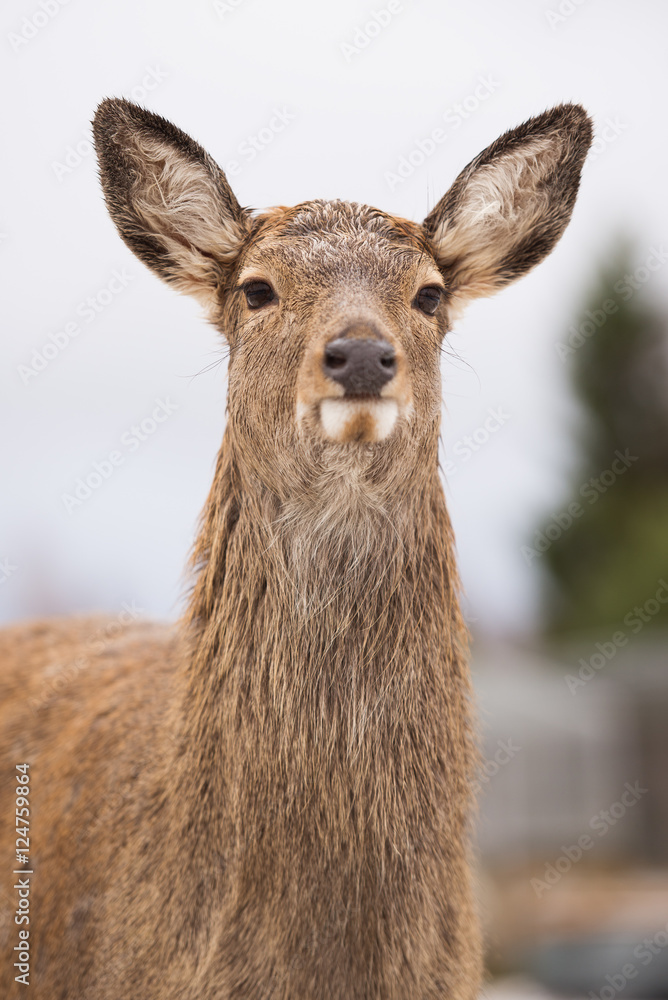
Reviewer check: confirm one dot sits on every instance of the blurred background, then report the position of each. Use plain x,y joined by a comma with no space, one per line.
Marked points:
555,422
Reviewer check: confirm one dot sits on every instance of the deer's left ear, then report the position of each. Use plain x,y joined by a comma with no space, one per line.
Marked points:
509,206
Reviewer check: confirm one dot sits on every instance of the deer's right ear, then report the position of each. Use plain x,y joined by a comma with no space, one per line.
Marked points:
170,201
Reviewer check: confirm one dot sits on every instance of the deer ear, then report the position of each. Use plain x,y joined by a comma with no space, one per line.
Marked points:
170,201
509,206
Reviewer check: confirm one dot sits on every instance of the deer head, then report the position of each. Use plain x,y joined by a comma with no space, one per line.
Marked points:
335,312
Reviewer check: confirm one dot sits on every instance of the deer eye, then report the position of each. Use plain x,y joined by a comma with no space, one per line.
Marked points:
258,294
427,299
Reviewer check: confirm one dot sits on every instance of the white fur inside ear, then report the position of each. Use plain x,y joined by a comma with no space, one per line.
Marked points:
503,195
178,197
176,200
504,204
338,415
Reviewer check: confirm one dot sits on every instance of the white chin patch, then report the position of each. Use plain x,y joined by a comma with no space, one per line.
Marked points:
363,420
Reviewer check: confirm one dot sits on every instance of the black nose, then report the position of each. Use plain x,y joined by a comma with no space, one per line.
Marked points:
362,367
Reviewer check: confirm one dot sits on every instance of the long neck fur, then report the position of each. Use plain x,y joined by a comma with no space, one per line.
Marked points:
326,714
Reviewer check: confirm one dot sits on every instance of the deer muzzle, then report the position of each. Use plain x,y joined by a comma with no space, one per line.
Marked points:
353,387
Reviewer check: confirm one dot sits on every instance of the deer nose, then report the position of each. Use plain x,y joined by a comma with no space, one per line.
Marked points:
361,366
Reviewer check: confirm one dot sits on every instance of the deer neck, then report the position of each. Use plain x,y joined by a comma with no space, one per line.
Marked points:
327,656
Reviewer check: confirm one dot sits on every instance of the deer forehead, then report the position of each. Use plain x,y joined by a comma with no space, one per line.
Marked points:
325,243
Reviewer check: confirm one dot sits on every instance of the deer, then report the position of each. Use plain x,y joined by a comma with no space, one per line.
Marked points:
272,797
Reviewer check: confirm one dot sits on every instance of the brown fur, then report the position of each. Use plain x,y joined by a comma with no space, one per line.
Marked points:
272,798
